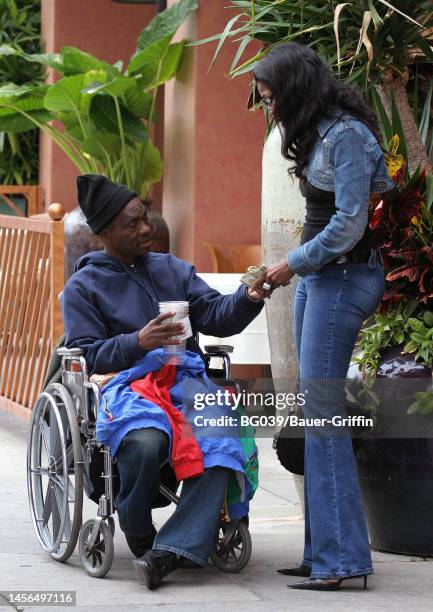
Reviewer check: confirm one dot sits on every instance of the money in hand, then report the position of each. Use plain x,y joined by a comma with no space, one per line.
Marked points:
252,274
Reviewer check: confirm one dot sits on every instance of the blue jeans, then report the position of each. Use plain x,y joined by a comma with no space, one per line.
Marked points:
191,529
330,307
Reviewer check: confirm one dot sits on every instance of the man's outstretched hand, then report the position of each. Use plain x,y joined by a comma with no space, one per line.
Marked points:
258,293
157,333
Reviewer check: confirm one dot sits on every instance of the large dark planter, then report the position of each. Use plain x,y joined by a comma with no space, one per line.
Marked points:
396,474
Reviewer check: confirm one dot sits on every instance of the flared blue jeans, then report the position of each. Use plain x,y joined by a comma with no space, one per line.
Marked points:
330,308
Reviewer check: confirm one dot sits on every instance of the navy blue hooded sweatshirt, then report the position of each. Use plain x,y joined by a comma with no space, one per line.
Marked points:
106,302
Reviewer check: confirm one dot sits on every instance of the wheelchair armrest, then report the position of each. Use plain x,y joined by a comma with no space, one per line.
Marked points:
103,379
73,352
218,349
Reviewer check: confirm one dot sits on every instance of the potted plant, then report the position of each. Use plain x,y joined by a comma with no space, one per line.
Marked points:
394,362
105,111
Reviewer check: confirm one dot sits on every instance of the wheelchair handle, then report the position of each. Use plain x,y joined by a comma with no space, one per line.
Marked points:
218,349
72,352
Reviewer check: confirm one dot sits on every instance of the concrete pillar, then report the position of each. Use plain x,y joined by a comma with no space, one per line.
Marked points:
283,209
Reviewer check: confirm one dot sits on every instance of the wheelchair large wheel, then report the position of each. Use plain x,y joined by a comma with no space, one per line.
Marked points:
55,472
96,550
233,547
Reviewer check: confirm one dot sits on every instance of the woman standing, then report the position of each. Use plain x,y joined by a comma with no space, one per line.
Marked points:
331,136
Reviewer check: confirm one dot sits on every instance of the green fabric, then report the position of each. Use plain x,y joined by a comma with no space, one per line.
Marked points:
234,493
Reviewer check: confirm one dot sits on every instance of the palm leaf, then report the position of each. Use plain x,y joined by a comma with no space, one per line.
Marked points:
425,117
400,12
226,32
243,45
429,182
384,122
377,19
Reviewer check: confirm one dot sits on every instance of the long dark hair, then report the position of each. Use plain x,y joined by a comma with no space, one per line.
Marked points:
304,91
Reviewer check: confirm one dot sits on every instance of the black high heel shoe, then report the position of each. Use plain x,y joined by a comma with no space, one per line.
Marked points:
298,570
324,584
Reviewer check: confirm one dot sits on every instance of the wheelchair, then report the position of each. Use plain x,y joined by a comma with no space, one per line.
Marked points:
64,461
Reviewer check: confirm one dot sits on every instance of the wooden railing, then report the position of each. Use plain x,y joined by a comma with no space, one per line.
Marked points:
31,278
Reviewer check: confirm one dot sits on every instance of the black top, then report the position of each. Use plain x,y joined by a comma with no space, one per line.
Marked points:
320,206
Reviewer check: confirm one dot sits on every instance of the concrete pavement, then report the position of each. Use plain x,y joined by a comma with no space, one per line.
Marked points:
276,526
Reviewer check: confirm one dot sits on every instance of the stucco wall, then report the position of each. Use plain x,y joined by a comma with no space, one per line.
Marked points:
213,147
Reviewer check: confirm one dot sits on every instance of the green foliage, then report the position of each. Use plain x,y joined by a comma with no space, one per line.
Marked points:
105,113
420,333
158,63
392,31
407,325
423,403
20,23
166,23
407,317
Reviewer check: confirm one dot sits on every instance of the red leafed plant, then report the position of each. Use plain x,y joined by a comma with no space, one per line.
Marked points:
401,222
402,225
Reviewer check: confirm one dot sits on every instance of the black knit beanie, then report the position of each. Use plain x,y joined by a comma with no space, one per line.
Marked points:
101,200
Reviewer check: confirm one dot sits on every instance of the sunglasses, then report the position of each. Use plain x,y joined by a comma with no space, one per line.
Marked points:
267,101
255,99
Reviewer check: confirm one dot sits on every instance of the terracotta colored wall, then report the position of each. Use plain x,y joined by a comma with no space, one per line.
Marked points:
101,27
213,146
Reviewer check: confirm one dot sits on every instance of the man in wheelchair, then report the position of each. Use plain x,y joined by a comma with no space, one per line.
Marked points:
111,311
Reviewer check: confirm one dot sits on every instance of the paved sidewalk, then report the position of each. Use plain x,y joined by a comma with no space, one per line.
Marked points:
276,525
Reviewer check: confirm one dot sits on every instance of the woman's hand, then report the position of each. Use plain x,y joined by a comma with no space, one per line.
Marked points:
277,275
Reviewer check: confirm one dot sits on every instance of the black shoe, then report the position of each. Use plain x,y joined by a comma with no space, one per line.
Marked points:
185,563
154,565
139,545
298,570
324,584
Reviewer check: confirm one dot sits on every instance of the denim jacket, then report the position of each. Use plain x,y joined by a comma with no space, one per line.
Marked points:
346,159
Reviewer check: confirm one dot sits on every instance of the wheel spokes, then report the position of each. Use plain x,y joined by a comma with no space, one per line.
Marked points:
229,545
48,505
95,554
69,455
40,471
52,478
71,492
59,482
100,546
57,508
43,427
54,437
68,525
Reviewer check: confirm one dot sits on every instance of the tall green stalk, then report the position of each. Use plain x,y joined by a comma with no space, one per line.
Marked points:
122,138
